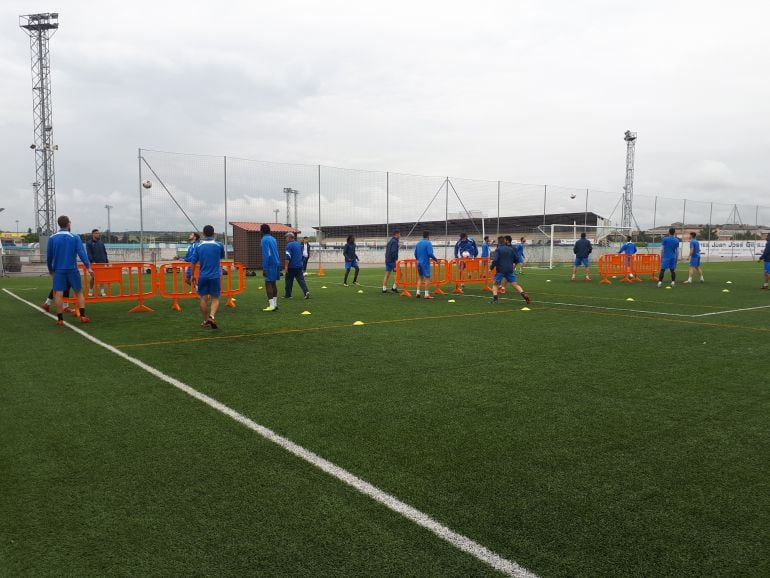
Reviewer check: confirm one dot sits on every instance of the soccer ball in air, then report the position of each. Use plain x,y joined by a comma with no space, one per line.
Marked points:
465,254
147,184
572,196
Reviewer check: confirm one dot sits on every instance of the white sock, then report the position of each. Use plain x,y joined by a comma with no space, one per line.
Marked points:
689,279
384,288
394,286
426,292
47,301
274,302
701,278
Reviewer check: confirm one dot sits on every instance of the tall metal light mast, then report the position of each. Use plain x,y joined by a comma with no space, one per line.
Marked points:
39,28
628,189
289,192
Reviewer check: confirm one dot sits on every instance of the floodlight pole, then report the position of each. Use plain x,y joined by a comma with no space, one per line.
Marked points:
109,225
628,189
141,209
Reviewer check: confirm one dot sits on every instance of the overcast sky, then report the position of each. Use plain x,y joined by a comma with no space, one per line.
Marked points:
529,92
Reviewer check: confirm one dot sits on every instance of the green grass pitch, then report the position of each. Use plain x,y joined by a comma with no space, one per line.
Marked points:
589,436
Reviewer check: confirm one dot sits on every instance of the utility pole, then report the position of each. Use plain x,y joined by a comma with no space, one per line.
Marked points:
109,226
276,215
39,28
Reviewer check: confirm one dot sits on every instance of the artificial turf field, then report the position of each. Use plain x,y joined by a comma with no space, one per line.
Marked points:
589,436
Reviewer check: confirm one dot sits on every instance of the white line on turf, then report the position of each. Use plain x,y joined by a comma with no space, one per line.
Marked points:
731,311
420,518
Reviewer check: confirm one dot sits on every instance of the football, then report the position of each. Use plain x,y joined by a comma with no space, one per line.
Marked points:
465,254
147,184
572,196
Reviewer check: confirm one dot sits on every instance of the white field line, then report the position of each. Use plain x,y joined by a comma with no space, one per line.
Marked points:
731,311
457,540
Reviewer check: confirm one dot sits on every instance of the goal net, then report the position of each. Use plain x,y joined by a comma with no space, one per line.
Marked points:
561,239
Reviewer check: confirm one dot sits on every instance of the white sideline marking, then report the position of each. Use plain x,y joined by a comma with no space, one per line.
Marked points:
457,540
731,311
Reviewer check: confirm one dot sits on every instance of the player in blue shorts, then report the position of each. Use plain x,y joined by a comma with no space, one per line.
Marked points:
63,250
520,246
668,256
766,258
209,254
629,250
391,257
271,266
423,252
582,250
504,262
351,260
694,257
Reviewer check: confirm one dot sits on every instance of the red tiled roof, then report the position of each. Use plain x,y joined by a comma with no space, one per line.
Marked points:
274,227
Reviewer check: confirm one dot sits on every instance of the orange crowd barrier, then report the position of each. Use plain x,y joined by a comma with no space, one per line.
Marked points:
646,264
614,265
129,281
407,275
469,271
172,282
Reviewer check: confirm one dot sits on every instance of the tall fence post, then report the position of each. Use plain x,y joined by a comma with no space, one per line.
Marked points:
320,233
141,208
446,218
654,216
387,204
224,173
545,200
585,219
711,212
498,209
684,215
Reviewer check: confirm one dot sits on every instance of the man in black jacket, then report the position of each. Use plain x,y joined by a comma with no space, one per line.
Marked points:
582,250
305,254
391,256
97,253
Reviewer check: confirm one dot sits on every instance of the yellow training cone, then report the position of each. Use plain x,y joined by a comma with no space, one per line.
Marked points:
358,323
306,313
451,301
547,280
729,282
669,287
630,299
725,290
360,290
260,287
526,309
322,287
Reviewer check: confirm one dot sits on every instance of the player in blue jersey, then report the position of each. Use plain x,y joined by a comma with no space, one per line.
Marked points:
63,250
668,256
271,266
294,265
423,253
582,250
485,247
765,256
694,257
209,254
520,254
194,239
351,260
391,257
629,250
504,264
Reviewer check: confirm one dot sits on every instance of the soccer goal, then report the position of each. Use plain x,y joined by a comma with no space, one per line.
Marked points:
561,239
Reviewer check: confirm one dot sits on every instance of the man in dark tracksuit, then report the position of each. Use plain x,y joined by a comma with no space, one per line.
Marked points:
97,253
294,267
305,253
503,261
391,257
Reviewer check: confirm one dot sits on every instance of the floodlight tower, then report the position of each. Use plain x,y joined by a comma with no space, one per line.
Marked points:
628,189
39,28
289,192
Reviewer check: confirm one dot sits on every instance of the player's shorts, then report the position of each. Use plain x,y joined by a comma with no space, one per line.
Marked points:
668,263
272,274
211,287
423,269
351,264
767,267
390,266
63,280
581,261
695,261
510,277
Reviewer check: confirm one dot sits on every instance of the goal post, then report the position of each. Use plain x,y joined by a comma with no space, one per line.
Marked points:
562,237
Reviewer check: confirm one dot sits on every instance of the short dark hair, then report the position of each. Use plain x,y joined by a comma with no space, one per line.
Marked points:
522,239
671,231
303,238
508,239
351,238
425,234
197,235
463,235
63,221
501,240
208,230
94,231
486,237
396,232
582,235
264,228
693,234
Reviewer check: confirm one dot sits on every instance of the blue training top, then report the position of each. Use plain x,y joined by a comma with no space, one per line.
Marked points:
628,248
520,251
503,259
209,254
270,257
582,248
467,244
670,246
62,248
423,251
695,247
294,255
391,250
484,250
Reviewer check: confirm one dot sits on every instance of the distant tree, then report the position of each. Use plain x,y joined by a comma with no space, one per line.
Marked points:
643,237
30,237
745,236
124,238
707,232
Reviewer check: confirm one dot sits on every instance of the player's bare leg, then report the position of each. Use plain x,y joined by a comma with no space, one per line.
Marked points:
524,294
